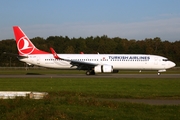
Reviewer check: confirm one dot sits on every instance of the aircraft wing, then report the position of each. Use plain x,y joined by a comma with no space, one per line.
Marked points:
80,64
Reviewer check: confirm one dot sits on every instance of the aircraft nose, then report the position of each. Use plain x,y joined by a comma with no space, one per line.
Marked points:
172,64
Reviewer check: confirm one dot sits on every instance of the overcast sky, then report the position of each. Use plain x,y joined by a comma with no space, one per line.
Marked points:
131,19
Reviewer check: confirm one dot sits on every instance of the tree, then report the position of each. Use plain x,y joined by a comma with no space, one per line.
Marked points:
69,49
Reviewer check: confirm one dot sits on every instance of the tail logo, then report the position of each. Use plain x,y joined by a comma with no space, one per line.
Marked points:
24,47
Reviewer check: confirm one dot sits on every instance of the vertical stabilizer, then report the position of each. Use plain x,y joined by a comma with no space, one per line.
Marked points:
24,45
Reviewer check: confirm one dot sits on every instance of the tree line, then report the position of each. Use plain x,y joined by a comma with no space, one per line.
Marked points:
93,45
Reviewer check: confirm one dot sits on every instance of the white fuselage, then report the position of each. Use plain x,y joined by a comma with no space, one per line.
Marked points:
118,61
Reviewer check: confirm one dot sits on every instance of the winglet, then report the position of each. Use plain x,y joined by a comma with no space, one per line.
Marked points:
54,53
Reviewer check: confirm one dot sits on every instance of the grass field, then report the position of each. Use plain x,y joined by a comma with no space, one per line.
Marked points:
98,87
23,70
81,98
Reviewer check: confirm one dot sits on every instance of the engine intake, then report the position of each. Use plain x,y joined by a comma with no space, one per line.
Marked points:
103,69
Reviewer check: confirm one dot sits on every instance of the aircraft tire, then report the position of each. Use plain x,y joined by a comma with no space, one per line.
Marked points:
90,72
159,73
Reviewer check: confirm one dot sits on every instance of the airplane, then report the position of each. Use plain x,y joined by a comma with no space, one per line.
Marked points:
91,63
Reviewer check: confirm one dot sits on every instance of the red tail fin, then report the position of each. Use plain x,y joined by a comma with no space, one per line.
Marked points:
24,45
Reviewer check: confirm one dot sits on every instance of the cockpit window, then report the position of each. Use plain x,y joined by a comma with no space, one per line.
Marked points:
165,59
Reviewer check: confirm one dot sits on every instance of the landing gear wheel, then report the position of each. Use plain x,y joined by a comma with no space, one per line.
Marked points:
159,73
90,72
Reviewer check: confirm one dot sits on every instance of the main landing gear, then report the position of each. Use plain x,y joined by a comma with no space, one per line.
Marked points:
90,72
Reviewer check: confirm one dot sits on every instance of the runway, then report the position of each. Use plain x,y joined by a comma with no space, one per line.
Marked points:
35,75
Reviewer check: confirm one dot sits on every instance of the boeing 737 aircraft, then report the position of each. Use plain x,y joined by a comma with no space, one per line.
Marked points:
92,63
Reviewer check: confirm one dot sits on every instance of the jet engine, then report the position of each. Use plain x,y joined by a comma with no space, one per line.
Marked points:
103,69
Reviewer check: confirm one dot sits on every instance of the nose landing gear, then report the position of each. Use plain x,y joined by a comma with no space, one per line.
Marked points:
159,71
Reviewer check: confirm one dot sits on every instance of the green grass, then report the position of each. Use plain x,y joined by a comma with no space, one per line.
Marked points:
80,109
101,87
81,98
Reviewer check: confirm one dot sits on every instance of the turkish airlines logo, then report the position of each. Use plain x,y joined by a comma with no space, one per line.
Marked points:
24,46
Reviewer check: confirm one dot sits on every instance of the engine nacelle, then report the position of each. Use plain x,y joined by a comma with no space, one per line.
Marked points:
103,69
